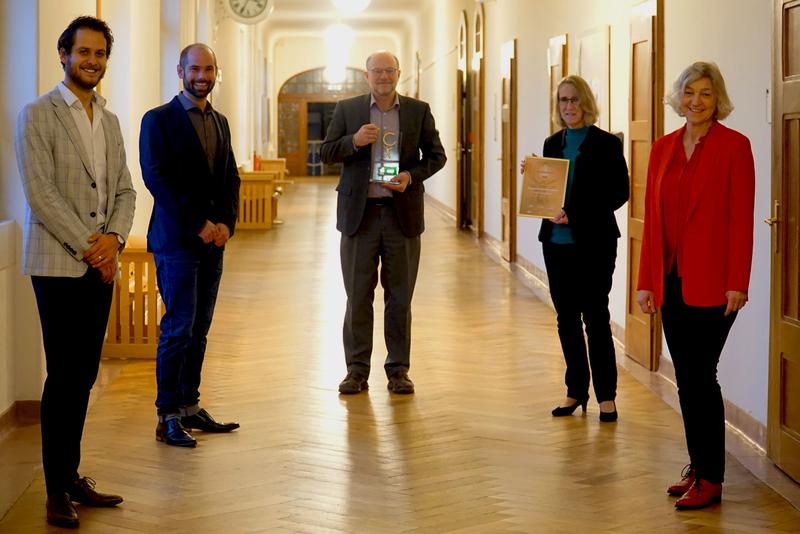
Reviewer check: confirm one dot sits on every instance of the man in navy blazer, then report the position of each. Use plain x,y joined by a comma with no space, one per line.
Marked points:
381,136
188,165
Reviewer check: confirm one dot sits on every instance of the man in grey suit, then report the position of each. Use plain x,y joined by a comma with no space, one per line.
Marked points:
71,160
389,146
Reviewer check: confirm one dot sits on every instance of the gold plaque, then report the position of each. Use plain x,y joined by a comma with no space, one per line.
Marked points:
544,187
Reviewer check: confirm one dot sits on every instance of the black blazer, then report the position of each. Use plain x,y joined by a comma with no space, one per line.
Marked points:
418,135
175,170
599,187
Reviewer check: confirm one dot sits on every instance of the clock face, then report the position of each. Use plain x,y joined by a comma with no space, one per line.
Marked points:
248,8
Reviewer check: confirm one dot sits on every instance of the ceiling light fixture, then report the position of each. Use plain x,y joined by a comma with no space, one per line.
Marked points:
351,7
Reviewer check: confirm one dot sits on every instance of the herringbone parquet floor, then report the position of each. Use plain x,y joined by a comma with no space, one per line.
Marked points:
475,450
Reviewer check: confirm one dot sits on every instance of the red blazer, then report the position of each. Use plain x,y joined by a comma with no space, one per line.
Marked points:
716,251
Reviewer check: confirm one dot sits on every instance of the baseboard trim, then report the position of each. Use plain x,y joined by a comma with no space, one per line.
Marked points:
448,212
21,413
746,437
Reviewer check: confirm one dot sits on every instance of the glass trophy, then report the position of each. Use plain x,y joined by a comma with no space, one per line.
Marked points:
387,167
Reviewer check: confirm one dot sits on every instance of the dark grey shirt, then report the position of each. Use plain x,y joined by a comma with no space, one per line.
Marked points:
205,125
388,123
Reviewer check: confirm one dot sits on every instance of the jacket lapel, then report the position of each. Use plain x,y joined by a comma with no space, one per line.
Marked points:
64,116
404,114
663,164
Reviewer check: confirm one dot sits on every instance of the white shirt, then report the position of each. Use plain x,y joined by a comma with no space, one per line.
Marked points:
94,142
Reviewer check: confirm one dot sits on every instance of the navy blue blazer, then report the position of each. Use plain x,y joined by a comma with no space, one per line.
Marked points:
175,169
421,155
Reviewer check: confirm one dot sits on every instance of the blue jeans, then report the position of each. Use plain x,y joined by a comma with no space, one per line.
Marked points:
188,282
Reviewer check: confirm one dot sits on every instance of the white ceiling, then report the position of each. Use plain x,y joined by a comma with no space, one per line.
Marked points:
311,15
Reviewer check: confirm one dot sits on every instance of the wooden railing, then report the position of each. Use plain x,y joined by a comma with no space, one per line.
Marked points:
136,308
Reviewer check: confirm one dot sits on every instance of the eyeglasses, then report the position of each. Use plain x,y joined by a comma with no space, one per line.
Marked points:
391,71
573,100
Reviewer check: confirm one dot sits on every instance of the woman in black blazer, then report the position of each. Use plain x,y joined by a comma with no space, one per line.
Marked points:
580,246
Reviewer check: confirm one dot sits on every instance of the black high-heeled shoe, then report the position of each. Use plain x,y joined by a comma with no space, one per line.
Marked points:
561,411
609,417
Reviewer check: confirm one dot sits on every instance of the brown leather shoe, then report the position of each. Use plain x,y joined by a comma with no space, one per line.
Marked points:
353,383
83,491
400,383
702,493
61,512
687,479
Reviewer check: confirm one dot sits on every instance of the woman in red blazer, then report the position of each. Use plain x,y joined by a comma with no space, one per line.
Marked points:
695,261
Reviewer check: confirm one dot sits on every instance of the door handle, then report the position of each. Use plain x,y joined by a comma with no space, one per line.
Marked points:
774,219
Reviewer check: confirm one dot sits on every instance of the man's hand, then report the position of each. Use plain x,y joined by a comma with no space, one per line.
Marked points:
108,271
208,233
404,178
223,234
366,135
103,250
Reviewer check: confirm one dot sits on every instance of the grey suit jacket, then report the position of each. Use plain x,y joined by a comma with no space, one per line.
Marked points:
60,187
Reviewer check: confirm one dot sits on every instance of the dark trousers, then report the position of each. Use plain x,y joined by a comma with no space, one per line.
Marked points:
378,240
695,337
580,280
74,315
188,282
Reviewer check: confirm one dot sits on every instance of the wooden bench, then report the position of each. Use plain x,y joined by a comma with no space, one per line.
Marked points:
136,307
258,194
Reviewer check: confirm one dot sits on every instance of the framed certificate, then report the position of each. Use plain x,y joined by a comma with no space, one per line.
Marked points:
544,187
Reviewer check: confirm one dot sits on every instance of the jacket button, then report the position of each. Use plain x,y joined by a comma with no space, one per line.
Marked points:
92,214
94,185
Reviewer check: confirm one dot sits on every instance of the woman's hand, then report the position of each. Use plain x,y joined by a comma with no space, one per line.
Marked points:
646,301
522,166
736,301
561,218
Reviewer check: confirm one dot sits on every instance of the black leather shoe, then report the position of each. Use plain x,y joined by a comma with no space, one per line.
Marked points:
61,512
353,383
563,411
609,417
172,432
82,491
400,383
202,420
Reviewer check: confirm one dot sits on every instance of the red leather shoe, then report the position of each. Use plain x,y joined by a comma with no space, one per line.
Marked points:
687,479
702,493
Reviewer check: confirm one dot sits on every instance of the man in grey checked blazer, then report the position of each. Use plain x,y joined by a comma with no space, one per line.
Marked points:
71,160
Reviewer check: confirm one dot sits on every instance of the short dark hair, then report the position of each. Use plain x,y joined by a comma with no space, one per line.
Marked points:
185,53
67,39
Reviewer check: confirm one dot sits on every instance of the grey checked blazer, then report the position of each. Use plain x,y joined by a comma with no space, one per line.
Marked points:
58,181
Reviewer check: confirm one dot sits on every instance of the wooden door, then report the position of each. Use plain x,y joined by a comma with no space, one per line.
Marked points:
463,195
556,69
784,368
292,134
508,82
476,87
642,331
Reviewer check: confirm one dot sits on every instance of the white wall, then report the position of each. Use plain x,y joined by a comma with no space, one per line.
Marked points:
438,41
21,355
740,43
132,84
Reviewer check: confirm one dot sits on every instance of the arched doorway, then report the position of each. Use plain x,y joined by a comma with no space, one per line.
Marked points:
305,107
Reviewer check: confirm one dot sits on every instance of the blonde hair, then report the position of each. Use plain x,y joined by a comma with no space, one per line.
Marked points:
694,72
588,104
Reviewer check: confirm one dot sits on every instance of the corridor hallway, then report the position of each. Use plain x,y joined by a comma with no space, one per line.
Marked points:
474,450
